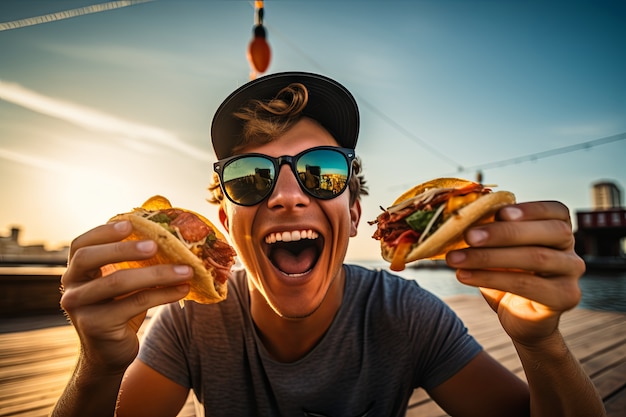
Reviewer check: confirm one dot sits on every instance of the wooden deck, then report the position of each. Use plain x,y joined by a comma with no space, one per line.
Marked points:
35,364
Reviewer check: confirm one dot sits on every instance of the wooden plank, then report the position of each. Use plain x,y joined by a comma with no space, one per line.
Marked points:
616,405
612,381
596,338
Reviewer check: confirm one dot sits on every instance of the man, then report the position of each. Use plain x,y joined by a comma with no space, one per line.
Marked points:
301,333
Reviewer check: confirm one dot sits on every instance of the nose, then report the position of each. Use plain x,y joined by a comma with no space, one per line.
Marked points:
287,192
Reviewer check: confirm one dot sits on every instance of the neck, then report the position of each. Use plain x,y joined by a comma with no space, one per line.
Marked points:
287,339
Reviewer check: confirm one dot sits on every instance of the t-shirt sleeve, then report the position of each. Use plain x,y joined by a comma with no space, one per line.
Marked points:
165,344
443,343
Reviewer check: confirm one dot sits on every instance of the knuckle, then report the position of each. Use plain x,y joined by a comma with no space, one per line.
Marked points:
80,258
477,257
580,265
571,294
122,247
141,299
564,231
113,281
66,301
64,281
542,258
87,323
69,301
75,246
522,284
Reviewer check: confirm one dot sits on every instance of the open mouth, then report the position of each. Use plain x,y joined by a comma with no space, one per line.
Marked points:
294,253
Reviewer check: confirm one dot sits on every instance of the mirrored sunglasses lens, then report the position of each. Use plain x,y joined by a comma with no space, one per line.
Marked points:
324,172
248,180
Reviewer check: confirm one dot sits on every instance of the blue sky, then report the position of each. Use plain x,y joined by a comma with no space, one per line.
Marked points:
100,111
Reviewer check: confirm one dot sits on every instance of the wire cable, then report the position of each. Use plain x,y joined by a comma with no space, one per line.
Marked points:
531,157
545,154
388,120
103,7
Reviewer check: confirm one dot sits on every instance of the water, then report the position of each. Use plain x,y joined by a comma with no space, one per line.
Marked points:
601,290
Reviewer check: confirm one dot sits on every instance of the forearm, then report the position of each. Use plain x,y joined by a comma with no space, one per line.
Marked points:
89,393
558,385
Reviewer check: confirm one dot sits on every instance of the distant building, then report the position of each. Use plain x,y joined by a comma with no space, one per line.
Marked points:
606,195
601,231
13,253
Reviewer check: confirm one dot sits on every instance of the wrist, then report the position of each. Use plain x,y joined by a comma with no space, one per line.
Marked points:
92,390
107,362
552,346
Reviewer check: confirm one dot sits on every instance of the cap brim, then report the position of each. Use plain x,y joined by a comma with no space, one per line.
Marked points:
330,104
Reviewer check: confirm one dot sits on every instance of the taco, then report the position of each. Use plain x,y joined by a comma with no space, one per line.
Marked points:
429,220
183,237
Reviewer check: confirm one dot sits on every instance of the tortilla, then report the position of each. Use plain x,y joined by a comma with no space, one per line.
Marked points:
449,236
204,285
476,204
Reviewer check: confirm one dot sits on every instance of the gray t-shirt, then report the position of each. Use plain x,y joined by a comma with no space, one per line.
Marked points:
389,337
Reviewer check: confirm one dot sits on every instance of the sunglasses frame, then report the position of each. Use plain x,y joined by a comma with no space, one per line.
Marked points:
290,160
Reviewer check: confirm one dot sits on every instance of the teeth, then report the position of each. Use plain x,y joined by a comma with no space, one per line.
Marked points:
291,236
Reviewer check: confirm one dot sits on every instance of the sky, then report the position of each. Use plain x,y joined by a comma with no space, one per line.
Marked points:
106,106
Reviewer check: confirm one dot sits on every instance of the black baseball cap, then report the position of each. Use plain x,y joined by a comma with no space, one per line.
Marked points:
330,104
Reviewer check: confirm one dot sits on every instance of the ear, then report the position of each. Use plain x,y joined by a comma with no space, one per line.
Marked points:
223,217
355,216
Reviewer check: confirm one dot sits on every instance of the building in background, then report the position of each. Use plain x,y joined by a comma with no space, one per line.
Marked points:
29,277
13,253
606,195
601,234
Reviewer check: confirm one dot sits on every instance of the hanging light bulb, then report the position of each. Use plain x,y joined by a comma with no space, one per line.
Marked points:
259,53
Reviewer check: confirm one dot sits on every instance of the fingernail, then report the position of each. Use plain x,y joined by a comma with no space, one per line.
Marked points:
512,213
181,269
122,226
477,236
464,274
146,245
456,257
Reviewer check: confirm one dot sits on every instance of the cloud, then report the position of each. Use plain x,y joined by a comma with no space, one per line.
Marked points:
67,173
33,161
95,120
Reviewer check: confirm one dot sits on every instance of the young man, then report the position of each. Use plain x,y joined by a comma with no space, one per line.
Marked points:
301,333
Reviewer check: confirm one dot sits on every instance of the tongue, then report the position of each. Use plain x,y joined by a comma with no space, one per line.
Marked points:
290,263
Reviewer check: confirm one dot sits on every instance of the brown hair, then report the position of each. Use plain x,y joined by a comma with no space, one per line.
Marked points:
264,121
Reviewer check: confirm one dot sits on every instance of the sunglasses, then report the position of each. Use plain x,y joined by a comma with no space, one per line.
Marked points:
322,172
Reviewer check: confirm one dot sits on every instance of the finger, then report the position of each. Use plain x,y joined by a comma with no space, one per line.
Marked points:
559,294
124,282
107,233
541,260
536,210
141,301
87,261
86,266
550,233
100,319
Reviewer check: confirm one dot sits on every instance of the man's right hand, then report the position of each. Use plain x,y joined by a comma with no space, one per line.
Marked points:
107,310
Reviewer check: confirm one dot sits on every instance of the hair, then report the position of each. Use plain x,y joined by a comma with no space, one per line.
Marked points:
264,121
